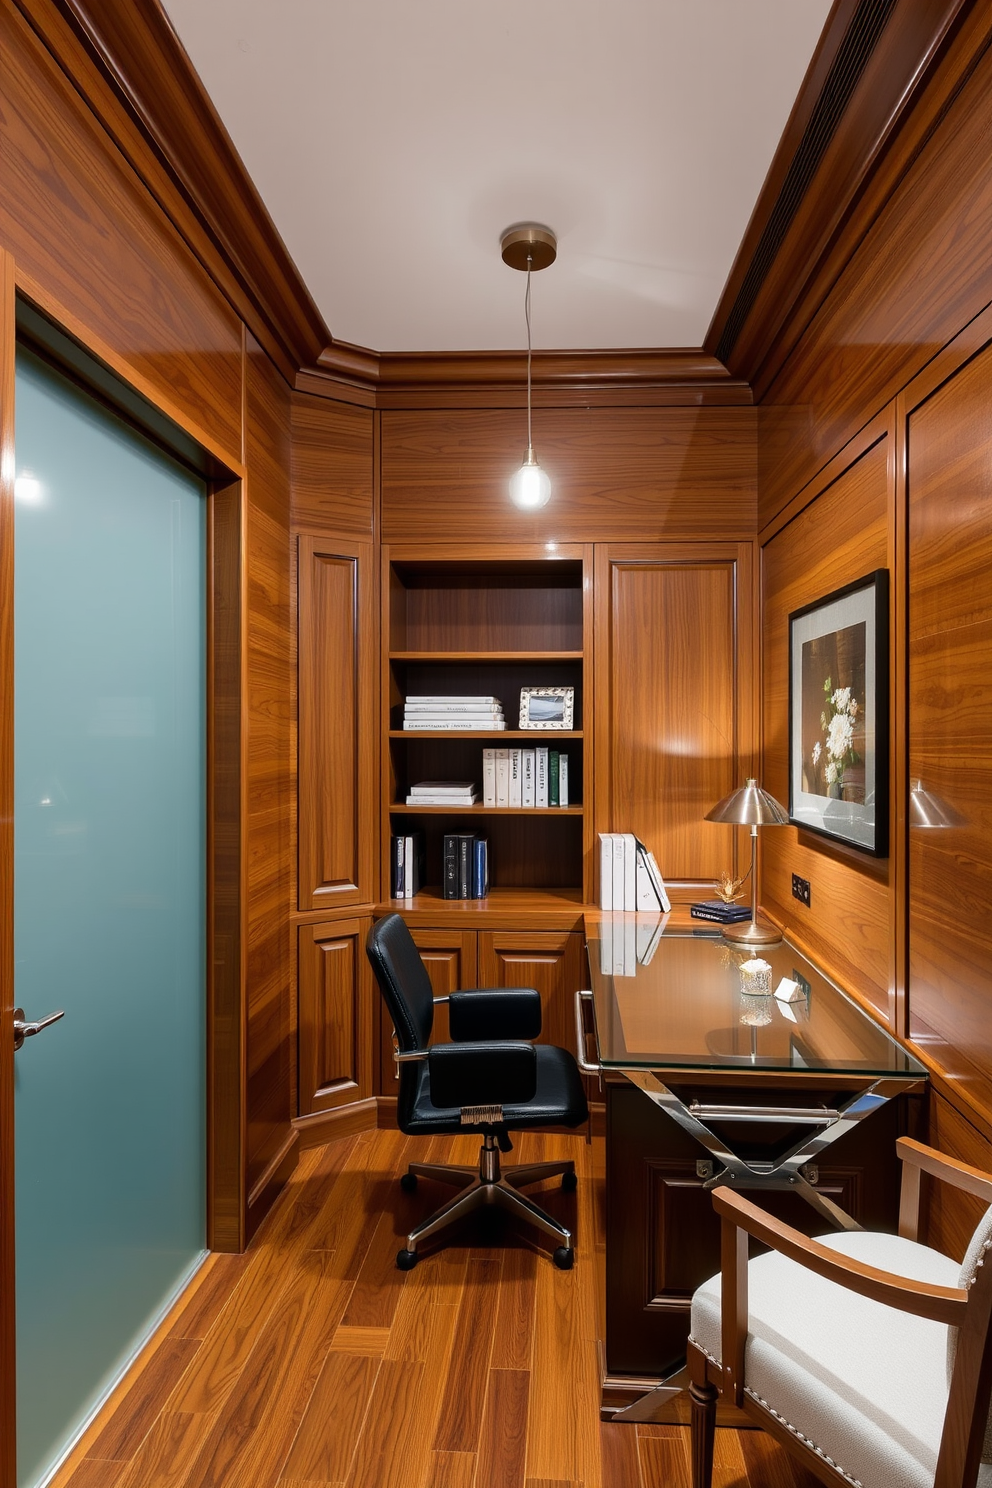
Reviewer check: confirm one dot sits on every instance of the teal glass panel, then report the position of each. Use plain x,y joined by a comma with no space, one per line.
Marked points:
109,924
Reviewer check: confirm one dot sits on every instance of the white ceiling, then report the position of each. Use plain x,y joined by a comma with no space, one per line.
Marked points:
393,141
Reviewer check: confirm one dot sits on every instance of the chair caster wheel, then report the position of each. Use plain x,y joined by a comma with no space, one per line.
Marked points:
569,1182
407,1259
408,1183
564,1257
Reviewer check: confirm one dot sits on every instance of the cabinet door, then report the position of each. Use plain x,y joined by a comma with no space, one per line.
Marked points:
552,961
337,723
450,958
336,993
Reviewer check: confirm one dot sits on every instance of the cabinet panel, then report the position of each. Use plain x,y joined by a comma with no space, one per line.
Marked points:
673,667
337,723
450,959
336,993
551,961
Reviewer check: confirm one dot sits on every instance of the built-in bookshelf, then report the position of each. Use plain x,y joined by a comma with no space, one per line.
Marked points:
460,622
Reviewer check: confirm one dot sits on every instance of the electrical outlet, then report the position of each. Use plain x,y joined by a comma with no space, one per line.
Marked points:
800,889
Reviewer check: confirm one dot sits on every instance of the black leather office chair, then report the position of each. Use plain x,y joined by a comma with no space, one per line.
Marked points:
490,1080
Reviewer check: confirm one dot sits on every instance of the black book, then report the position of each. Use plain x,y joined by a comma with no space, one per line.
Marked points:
449,881
466,855
399,877
701,912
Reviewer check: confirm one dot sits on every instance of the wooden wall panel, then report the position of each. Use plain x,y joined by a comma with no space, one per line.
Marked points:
840,536
332,467
639,474
920,273
335,1015
951,1216
950,724
337,723
270,1024
92,245
673,714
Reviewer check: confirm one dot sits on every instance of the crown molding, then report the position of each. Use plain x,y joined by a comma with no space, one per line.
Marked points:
420,379
834,144
139,54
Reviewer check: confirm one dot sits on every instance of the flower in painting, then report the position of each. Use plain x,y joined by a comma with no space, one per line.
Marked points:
842,699
840,736
830,773
817,751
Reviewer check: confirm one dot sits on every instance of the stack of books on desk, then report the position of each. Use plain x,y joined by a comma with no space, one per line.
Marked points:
628,875
452,793
442,712
719,912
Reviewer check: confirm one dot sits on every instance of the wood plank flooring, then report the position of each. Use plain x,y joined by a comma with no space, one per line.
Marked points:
311,1362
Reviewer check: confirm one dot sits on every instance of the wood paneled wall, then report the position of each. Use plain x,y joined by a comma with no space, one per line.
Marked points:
872,436
104,242
641,474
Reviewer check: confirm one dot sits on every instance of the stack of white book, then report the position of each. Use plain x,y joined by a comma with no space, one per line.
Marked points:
453,793
430,712
628,875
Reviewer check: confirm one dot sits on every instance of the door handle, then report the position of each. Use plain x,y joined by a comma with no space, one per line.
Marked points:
23,1030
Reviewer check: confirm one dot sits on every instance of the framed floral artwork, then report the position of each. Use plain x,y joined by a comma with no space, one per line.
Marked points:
838,715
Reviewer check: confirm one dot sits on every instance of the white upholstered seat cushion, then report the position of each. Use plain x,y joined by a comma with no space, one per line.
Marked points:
864,1384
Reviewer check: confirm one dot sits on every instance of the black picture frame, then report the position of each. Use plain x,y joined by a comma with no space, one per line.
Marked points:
839,715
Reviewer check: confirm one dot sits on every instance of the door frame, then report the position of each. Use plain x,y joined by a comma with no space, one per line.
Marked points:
226,741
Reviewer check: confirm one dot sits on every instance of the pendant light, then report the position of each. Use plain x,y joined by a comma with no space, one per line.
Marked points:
529,247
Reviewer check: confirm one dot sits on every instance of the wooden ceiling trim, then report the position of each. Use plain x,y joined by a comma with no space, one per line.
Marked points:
667,377
881,54
213,201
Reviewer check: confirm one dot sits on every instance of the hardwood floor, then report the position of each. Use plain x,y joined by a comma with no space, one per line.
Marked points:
311,1362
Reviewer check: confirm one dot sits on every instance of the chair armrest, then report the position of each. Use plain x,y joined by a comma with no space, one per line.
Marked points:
495,1013
940,1304
938,1165
482,1074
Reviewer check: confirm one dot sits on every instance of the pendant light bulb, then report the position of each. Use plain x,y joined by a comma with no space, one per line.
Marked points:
529,247
530,486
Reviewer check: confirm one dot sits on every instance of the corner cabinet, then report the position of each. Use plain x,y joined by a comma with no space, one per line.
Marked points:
488,622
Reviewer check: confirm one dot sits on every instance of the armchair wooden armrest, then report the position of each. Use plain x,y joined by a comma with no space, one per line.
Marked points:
740,1218
918,1159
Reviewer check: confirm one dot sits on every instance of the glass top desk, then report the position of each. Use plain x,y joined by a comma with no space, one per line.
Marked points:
706,1085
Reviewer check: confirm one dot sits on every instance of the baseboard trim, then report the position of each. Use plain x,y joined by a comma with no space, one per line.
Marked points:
274,1178
345,1121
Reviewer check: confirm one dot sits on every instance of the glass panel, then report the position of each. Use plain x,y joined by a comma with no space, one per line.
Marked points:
109,897
682,1004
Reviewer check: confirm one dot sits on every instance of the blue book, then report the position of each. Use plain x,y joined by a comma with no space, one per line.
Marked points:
480,868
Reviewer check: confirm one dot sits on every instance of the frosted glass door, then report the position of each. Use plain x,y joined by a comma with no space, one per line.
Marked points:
109,923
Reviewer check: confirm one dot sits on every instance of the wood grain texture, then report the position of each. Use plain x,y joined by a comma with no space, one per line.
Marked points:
86,233
296,1409
143,57
332,467
950,720
839,536
335,1015
8,1341
673,716
636,473
337,723
951,1215
913,273
552,962
269,1022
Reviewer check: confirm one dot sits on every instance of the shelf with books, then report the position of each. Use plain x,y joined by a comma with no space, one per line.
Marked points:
465,631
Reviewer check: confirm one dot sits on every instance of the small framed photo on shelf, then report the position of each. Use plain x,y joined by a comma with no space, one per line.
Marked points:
547,707
838,715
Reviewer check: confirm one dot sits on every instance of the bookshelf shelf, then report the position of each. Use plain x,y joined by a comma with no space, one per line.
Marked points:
469,622
404,810
549,734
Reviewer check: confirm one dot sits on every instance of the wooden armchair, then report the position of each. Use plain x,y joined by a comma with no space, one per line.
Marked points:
869,1356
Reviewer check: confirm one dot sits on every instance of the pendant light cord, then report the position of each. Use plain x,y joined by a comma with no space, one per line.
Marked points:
530,442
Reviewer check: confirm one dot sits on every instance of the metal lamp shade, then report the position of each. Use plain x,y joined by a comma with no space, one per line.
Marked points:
749,806
752,807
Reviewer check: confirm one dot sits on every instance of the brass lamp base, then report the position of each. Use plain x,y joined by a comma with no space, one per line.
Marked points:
751,933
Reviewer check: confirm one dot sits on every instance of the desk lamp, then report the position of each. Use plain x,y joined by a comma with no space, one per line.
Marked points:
752,807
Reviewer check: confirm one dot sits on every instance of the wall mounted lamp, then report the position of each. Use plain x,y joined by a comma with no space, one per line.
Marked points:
529,248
